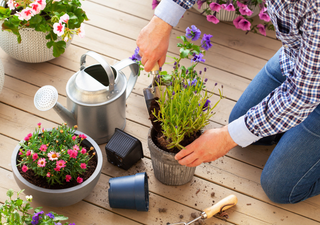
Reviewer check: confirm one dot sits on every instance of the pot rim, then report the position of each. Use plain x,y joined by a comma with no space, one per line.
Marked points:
96,172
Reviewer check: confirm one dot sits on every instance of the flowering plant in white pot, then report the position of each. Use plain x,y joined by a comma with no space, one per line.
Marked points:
55,18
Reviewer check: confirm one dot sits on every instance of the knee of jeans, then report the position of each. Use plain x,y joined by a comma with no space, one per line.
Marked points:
274,189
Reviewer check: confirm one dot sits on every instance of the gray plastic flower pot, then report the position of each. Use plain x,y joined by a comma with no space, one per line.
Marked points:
59,197
129,192
166,168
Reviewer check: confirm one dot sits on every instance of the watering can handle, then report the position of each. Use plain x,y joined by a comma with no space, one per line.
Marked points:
134,67
104,65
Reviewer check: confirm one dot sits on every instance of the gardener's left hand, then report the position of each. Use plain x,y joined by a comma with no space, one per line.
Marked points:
211,145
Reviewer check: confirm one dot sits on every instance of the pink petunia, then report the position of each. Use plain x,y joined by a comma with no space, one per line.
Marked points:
53,156
200,2
83,166
68,178
244,25
34,156
264,16
42,162
262,29
241,5
155,3
79,180
212,19
36,8
83,151
215,6
28,153
65,18
61,163
43,148
228,7
245,11
24,168
48,174
58,28
236,21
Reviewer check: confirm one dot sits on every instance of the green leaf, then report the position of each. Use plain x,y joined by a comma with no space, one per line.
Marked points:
184,53
59,218
10,193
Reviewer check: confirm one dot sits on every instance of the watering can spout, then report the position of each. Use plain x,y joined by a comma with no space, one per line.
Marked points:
47,98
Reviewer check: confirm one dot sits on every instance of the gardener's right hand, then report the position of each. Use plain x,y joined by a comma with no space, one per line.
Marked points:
153,43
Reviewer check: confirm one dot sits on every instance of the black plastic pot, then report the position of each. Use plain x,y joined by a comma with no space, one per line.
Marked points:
129,192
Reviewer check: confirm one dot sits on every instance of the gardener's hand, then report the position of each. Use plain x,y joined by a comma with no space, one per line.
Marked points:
153,42
211,145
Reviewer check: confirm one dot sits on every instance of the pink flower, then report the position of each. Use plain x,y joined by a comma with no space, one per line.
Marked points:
245,11
27,138
213,19
155,3
36,8
82,136
200,2
83,166
79,180
57,169
42,162
65,18
244,25
48,174
73,153
24,168
240,5
11,4
43,148
83,151
42,4
262,29
228,7
236,21
25,14
53,155
39,125
34,156
75,147
80,32
215,6
58,28
20,153
61,163
264,16
68,178
28,153
74,137
29,135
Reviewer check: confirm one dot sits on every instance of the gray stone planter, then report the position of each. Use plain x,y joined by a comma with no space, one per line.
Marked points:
1,76
166,169
59,197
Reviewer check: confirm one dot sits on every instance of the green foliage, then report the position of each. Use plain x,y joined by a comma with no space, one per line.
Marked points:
45,20
16,212
55,154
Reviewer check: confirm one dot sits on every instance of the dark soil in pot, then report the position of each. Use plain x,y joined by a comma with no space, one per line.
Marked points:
159,138
42,182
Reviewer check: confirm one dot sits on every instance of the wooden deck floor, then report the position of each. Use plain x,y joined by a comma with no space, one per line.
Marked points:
232,62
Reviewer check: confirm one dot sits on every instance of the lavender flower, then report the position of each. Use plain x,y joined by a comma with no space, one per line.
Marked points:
205,42
206,104
198,58
136,57
194,82
193,33
50,215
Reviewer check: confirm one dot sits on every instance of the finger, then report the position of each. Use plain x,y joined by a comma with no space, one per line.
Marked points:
195,163
189,159
162,60
183,153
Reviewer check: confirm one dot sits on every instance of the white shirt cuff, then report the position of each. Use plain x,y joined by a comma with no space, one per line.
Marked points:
240,134
169,11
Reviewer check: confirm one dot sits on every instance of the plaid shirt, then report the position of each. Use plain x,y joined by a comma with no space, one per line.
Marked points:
186,4
297,25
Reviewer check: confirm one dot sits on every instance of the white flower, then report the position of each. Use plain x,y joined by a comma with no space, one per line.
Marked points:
58,28
29,198
42,3
11,4
35,7
25,14
81,33
64,18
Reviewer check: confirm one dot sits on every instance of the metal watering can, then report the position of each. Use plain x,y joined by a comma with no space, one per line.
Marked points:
96,97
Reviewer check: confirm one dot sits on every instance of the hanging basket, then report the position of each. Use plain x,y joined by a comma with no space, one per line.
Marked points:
1,76
224,15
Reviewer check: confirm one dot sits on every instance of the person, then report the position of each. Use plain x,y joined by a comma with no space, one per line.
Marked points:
280,106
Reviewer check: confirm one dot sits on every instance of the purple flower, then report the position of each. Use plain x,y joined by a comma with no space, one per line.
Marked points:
193,33
155,3
50,215
241,23
205,42
206,104
136,57
36,217
194,82
245,11
173,93
205,80
264,16
205,69
198,58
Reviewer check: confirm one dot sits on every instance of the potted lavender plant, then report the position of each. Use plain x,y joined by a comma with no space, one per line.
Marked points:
182,110
60,166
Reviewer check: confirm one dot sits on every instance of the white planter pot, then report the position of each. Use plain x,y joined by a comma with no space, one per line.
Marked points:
1,76
224,15
59,197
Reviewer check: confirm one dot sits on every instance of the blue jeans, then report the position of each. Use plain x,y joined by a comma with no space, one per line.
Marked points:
292,172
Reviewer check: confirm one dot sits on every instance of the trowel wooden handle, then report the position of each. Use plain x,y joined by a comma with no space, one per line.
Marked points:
155,67
223,204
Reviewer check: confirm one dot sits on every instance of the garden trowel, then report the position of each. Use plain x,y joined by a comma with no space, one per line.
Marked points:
220,206
152,90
